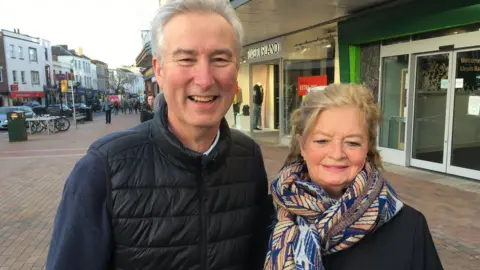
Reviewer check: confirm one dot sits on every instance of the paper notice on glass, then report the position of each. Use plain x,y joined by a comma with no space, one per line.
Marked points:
444,84
459,83
474,105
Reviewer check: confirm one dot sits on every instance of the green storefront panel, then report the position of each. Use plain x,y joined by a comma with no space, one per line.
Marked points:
414,17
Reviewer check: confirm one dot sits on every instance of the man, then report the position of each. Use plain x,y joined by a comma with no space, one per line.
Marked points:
237,101
107,107
146,112
182,191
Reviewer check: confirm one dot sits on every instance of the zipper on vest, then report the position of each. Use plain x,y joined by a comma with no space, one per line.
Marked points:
203,225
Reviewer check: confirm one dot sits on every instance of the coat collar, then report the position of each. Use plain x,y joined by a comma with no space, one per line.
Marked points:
177,153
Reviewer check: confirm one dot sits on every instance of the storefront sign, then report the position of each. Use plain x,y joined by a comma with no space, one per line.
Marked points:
307,82
147,74
272,48
14,87
25,94
268,50
61,77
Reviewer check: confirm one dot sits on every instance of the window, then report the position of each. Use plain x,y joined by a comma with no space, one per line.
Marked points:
46,54
1,74
32,54
393,101
22,74
12,51
14,74
20,52
35,78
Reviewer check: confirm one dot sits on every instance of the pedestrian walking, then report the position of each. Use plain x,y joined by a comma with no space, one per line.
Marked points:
116,107
107,107
130,107
136,104
181,191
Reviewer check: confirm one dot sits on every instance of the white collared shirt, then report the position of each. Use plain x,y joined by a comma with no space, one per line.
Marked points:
213,144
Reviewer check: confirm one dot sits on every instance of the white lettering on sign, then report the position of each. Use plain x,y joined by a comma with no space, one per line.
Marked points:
265,50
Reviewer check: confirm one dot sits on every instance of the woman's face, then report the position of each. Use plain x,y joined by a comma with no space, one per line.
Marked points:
336,149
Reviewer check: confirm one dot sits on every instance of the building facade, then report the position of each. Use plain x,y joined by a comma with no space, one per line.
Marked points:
102,75
4,91
29,67
422,60
292,51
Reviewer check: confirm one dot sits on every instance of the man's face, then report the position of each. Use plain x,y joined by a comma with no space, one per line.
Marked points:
199,69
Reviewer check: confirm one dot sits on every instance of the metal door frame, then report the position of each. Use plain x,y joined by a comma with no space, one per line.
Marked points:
439,167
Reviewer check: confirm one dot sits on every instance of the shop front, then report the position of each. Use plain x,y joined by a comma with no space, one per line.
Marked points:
21,97
427,83
274,76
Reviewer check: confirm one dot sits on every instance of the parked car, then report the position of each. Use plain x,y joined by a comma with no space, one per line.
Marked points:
59,110
32,104
4,110
79,106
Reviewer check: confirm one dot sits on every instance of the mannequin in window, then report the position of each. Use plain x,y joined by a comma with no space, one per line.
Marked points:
257,105
237,101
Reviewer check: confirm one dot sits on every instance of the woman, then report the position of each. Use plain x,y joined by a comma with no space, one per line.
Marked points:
334,208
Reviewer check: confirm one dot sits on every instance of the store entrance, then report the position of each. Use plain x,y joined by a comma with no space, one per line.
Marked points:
446,121
265,98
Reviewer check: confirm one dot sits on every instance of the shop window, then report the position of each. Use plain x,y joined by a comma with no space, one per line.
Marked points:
294,69
393,101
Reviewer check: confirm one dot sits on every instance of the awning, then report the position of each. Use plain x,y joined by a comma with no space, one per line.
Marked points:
26,94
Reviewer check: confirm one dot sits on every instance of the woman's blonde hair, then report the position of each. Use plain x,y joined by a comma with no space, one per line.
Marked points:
335,95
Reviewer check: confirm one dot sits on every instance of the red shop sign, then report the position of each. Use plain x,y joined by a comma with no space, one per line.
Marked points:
25,94
307,82
14,87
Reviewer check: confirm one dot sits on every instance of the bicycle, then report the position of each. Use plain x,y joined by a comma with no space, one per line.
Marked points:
61,124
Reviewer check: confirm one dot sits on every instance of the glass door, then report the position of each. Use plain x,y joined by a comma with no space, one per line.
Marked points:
430,127
464,141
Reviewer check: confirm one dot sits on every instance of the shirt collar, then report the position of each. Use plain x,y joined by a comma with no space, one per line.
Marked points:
213,144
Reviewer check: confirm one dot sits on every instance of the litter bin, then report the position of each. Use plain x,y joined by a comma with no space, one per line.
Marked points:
88,114
17,130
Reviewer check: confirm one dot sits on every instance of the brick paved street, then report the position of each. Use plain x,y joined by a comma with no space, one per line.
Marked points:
32,175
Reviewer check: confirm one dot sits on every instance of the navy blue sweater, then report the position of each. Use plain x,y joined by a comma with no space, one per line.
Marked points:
82,220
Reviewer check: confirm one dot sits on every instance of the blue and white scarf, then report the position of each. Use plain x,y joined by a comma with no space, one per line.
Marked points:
310,224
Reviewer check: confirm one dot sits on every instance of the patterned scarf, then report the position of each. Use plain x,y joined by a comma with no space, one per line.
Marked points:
310,224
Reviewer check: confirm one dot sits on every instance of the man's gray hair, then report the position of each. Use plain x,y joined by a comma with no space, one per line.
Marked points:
176,7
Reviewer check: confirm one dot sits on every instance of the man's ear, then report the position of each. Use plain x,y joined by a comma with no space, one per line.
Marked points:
158,70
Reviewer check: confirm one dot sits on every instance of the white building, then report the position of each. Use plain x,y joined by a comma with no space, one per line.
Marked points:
93,74
85,73
29,66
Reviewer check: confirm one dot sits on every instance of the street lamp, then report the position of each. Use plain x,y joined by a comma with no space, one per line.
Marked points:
73,94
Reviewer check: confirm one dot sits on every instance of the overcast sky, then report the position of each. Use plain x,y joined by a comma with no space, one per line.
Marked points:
107,30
